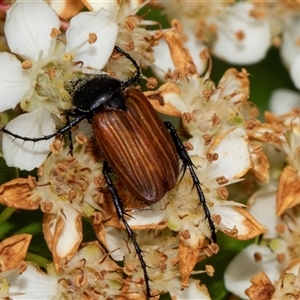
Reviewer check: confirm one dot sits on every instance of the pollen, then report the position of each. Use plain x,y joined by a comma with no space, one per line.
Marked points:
207,139
151,83
223,193
68,56
132,22
258,256
212,156
215,120
210,271
55,33
92,38
176,25
240,35
281,257
221,180
27,64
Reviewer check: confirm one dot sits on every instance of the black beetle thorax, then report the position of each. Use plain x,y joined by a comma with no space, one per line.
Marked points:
98,92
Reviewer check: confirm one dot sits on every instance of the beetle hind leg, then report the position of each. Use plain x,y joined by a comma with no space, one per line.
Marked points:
187,163
121,215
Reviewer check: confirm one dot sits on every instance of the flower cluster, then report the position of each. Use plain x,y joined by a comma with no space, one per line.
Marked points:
241,32
276,205
47,48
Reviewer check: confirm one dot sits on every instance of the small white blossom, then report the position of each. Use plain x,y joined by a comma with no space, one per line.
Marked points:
161,253
133,36
31,284
231,30
283,100
37,82
248,263
90,273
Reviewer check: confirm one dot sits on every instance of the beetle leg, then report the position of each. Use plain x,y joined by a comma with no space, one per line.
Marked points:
71,148
49,136
121,215
187,163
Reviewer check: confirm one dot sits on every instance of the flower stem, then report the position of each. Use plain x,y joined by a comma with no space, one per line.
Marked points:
6,213
37,259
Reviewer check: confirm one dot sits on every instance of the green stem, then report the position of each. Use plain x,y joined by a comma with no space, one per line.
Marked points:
37,259
6,213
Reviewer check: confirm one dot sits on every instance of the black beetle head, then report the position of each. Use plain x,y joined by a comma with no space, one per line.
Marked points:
94,92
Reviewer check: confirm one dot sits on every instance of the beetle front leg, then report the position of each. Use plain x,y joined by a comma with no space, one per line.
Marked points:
62,130
187,163
121,215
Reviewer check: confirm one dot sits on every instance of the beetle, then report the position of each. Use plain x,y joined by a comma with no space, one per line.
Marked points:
143,151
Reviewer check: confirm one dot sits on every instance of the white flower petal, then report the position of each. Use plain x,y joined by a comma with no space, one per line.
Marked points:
153,215
108,5
97,54
28,27
116,242
163,61
243,267
195,47
283,101
233,155
114,6
257,35
71,236
262,205
290,36
194,291
230,217
14,81
34,284
28,155
295,71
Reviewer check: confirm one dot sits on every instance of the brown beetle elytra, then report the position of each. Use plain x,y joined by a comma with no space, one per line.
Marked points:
138,147
144,152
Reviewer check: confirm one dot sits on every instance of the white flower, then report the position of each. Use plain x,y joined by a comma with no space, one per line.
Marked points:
31,284
90,273
270,256
163,59
294,71
283,101
229,216
289,50
133,36
288,284
242,38
37,83
280,244
231,30
96,54
248,263
68,189
165,263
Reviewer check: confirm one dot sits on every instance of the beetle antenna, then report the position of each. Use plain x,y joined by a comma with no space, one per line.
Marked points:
121,213
138,72
186,160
